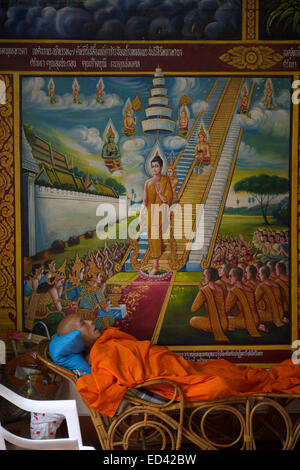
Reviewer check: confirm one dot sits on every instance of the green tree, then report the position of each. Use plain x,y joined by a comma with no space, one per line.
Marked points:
284,14
264,188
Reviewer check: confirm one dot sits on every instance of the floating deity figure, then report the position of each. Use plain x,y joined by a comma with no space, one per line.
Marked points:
100,91
244,103
202,151
76,92
157,191
183,121
111,152
129,121
183,116
51,91
268,99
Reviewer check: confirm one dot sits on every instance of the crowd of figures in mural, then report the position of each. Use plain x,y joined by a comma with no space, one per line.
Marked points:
247,286
50,293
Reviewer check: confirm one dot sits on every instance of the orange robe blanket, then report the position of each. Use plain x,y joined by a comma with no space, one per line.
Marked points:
120,361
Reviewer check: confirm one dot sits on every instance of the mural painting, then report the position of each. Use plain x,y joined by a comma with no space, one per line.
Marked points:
211,154
149,171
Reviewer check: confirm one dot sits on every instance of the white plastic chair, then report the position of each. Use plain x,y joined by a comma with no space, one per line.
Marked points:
64,407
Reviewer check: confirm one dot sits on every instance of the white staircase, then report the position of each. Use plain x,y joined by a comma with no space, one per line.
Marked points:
216,193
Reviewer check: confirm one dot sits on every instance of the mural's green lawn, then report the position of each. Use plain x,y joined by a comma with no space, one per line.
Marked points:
234,224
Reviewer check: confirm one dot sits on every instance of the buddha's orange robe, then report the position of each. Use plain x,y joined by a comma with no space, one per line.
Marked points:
120,361
155,222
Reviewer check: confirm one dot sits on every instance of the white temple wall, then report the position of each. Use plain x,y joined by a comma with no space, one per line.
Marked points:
60,214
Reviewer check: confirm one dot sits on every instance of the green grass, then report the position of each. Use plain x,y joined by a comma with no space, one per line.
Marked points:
188,277
123,277
235,224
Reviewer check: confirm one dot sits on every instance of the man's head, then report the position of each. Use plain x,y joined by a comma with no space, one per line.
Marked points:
156,164
250,272
224,270
280,268
210,275
271,265
89,332
264,273
235,275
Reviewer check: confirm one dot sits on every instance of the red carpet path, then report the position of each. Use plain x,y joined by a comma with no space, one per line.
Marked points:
144,301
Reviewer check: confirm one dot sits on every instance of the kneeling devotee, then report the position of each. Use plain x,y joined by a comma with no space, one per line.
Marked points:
120,361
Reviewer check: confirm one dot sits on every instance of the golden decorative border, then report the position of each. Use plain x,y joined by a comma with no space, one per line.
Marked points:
8,317
249,21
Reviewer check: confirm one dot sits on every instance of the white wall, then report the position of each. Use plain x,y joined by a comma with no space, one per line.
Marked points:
60,214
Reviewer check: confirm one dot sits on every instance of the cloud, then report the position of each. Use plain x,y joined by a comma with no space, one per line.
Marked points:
199,106
268,122
132,145
248,157
174,142
284,99
131,156
135,181
183,85
100,165
133,162
34,94
88,138
127,19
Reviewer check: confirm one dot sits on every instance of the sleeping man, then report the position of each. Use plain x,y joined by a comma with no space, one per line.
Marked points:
116,361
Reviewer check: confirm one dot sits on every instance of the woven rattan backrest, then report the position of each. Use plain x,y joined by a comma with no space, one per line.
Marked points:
44,357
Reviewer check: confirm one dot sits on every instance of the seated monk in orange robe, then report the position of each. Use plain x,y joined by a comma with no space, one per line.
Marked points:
120,361
212,296
242,296
269,292
283,282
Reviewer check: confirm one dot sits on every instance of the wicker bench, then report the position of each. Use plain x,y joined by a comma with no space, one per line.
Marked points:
231,423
